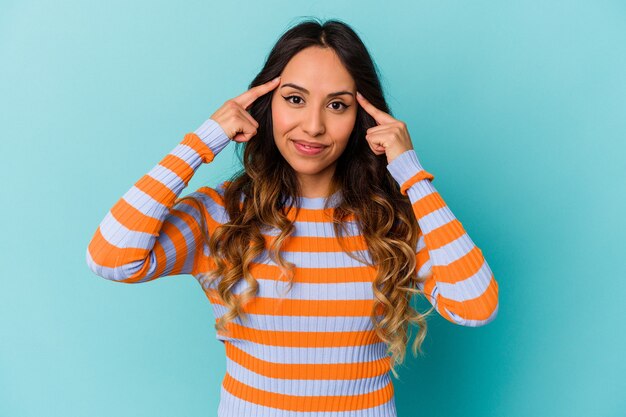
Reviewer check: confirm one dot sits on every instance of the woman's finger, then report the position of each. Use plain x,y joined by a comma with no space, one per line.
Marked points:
246,99
379,116
381,128
250,118
245,134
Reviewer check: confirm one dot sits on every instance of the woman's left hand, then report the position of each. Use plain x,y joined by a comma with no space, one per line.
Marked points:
390,137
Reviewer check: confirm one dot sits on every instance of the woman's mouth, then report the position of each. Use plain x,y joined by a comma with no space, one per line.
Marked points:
308,149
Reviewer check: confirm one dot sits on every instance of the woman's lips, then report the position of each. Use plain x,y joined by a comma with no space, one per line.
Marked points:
308,148
313,144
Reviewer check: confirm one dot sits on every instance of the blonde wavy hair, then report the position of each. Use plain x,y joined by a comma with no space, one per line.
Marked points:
262,194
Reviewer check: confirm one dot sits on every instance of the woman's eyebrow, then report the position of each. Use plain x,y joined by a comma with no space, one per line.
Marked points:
338,93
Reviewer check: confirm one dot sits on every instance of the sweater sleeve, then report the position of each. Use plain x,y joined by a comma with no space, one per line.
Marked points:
144,235
462,287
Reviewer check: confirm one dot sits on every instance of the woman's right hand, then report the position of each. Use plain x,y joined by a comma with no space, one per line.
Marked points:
233,117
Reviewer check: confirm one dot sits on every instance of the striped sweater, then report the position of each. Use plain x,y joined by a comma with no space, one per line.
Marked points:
311,351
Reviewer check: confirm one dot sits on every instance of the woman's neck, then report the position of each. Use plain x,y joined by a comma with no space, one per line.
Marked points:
315,187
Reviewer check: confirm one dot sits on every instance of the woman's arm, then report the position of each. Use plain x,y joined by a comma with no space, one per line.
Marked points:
144,236
462,287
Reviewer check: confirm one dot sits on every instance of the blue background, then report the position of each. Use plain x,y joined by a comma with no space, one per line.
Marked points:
517,107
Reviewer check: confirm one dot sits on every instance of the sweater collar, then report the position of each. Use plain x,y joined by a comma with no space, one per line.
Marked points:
318,202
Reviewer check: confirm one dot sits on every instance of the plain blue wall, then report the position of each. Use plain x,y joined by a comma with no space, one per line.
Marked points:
518,108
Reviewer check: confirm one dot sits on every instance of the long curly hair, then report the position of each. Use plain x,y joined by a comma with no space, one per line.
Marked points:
266,189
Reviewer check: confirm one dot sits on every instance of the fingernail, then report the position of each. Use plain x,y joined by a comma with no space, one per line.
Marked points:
359,94
276,79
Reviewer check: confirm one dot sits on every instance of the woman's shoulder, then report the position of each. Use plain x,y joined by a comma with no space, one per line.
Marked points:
211,197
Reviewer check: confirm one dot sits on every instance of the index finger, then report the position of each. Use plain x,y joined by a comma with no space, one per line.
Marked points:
378,115
246,99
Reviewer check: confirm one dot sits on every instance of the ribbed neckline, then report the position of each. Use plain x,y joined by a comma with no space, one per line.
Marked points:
318,202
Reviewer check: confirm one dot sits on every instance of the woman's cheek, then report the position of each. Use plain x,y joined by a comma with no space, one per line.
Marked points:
348,127
281,118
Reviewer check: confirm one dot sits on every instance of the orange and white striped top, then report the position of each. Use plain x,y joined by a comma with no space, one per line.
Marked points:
311,351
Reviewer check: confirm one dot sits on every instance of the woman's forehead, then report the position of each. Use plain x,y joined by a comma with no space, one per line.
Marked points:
317,70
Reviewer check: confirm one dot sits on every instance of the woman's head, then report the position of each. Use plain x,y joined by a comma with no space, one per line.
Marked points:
323,58
314,105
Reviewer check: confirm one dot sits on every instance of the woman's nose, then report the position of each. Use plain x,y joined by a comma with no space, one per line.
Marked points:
313,123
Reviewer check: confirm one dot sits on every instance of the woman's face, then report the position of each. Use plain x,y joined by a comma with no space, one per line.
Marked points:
314,104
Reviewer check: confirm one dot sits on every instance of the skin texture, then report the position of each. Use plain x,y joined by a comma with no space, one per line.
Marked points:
313,116
390,137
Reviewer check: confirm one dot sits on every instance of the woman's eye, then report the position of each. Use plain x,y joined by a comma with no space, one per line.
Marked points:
345,106
290,97
341,106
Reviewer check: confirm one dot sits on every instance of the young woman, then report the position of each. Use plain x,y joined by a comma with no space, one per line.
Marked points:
311,254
